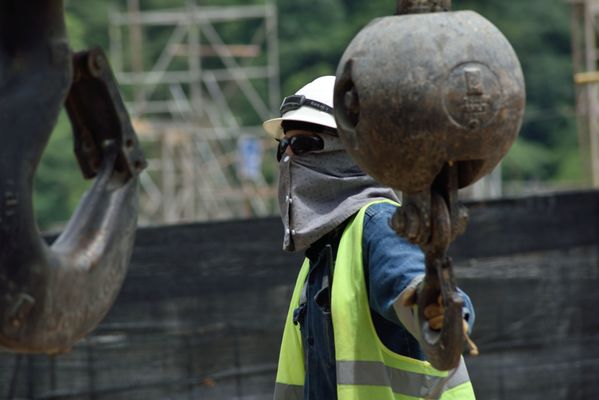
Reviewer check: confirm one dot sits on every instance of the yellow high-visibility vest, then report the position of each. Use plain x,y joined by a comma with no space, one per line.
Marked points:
366,368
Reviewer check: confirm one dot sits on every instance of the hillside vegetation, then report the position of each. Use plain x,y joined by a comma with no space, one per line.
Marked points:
313,35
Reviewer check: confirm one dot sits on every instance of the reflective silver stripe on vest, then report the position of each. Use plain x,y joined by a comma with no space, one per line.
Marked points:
288,392
402,382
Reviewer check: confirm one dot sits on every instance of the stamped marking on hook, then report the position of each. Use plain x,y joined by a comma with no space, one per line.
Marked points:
472,95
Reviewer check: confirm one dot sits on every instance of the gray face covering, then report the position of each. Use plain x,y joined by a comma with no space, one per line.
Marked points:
320,190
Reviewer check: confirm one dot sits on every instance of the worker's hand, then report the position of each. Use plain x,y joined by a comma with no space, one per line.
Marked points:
434,314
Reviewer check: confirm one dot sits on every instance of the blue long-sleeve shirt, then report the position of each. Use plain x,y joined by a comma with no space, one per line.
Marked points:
391,263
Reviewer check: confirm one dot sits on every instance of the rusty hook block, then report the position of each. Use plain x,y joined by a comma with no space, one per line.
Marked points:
54,295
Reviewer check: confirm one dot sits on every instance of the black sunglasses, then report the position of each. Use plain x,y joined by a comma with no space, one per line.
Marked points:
300,144
297,100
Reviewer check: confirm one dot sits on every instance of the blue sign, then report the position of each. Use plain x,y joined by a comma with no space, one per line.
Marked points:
250,157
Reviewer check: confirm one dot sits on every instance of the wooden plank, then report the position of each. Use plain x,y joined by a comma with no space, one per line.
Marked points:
585,78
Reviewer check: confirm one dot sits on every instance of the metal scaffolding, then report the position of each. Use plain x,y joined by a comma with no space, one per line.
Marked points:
585,52
197,87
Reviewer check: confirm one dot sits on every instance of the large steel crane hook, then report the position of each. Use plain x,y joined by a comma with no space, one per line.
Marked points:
50,297
429,101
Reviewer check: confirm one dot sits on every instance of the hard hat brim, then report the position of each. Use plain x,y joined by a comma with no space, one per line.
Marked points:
273,126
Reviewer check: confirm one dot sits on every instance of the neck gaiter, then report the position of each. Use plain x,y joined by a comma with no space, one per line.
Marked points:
320,190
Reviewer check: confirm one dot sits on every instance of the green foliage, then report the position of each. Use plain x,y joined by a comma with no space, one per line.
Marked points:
75,31
539,31
58,183
87,23
528,161
313,35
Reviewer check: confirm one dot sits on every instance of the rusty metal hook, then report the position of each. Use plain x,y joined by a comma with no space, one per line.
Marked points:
425,219
53,296
443,348
425,105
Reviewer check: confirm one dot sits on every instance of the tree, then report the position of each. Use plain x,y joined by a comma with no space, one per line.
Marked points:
313,36
539,31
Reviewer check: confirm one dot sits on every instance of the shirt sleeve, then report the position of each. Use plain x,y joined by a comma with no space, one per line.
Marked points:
392,263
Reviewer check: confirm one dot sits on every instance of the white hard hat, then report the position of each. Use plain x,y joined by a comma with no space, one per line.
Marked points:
313,103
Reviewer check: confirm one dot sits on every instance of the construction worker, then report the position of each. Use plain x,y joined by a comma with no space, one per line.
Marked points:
347,333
